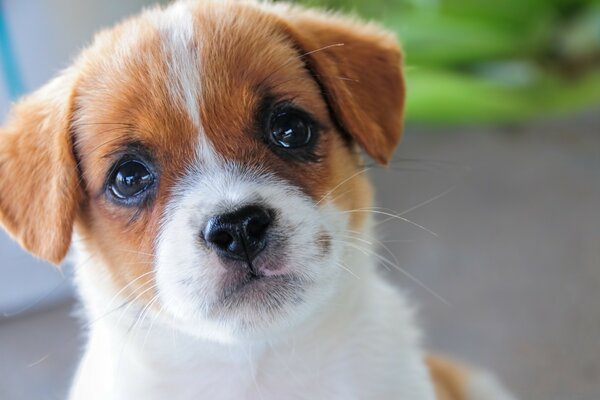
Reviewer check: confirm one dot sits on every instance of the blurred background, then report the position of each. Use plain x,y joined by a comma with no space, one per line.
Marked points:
500,159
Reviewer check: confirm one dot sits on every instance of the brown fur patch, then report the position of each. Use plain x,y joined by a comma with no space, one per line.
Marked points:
324,242
449,378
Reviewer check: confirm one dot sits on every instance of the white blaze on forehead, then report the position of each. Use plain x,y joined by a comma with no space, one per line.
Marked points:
182,55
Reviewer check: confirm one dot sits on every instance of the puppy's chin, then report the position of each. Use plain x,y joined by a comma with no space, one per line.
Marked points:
255,308
243,294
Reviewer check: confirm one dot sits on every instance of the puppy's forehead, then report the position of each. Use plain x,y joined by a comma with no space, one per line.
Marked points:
200,68
180,47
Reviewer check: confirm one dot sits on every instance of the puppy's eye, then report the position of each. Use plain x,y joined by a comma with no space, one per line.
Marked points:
291,129
130,179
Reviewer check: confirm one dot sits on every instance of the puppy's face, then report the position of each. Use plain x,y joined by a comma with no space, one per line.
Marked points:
207,155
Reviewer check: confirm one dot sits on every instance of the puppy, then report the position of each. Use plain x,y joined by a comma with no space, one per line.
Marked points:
205,157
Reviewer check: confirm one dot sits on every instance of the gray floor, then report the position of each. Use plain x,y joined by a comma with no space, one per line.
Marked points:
516,260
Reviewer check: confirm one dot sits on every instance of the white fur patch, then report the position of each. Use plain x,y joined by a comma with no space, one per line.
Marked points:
182,54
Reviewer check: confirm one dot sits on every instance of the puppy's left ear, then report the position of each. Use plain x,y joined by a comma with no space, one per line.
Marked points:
359,68
39,188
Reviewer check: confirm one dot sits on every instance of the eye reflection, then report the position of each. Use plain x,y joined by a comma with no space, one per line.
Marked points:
131,179
290,129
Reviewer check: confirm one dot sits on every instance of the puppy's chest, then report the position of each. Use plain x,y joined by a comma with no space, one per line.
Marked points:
273,376
239,381
276,374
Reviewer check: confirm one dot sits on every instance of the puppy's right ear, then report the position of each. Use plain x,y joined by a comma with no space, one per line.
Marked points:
39,186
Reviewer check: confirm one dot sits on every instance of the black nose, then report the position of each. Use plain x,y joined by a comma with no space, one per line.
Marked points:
240,235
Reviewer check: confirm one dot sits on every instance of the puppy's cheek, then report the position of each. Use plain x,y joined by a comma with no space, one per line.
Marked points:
350,190
332,238
315,244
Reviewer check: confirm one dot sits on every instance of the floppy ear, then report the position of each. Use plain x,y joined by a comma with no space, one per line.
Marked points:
38,173
358,66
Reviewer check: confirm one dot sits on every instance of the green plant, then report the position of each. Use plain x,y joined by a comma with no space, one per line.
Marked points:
492,61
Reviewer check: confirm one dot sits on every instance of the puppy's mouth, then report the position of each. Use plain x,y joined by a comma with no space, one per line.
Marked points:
245,290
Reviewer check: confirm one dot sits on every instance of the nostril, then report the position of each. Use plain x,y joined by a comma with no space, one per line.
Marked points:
257,226
220,238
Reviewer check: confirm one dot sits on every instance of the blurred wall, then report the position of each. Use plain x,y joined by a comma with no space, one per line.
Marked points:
44,35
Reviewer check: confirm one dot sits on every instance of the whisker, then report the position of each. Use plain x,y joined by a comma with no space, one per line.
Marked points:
103,123
144,314
399,241
157,315
359,239
362,171
393,216
339,195
37,301
136,252
139,295
329,46
300,56
41,360
310,79
380,244
127,302
128,285
342,266
424,203
403,271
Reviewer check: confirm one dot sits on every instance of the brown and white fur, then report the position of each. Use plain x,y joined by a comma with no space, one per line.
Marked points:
182,89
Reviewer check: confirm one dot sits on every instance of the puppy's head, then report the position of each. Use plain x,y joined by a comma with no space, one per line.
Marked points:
207,154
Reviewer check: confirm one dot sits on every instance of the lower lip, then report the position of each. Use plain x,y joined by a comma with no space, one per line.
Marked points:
253,282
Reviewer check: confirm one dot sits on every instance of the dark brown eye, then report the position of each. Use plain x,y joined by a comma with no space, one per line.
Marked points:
131,179
291,129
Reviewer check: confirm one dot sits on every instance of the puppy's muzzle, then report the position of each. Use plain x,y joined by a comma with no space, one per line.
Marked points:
239,235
